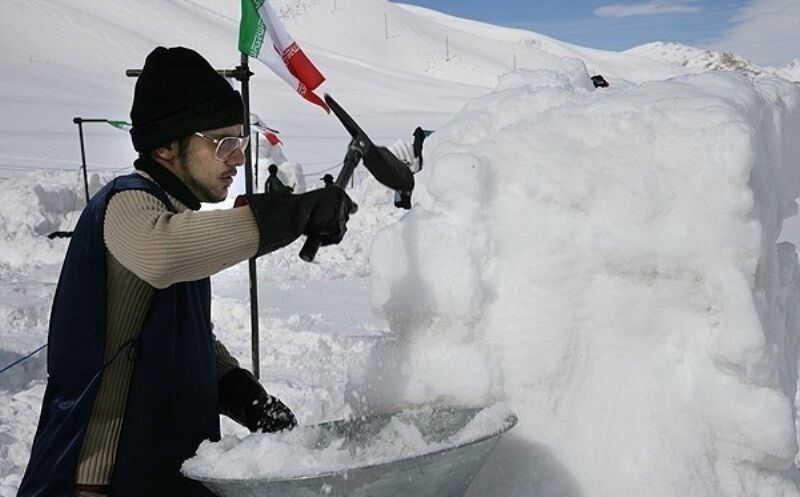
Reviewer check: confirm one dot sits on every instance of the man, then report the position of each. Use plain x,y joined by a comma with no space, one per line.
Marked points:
327,179
273,183
136,379
419,139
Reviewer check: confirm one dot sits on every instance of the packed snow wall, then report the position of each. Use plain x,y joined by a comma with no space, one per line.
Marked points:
33,205
605,261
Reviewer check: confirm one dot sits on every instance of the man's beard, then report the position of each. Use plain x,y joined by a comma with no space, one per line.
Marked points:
202,193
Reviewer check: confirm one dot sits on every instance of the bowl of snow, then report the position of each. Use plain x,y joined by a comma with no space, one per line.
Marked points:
430,451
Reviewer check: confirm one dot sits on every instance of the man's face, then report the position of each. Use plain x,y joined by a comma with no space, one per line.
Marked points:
206,176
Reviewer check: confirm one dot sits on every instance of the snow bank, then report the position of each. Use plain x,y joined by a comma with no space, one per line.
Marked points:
36,204
606,263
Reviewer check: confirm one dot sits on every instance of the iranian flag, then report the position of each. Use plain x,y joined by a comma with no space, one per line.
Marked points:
263,37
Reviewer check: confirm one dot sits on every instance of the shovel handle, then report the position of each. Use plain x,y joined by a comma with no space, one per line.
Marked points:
354,153
310,248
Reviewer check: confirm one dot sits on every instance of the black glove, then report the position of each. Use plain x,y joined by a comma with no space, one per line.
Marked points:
244,400
283,217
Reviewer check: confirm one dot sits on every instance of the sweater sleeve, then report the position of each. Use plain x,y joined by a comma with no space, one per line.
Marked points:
225,361
162,247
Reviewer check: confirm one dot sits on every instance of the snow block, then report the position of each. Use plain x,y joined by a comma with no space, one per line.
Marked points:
606,263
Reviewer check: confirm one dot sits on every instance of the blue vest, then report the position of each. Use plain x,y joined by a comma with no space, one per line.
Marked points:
172,401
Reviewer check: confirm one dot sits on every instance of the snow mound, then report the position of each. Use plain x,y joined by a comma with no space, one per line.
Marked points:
36,204
606,263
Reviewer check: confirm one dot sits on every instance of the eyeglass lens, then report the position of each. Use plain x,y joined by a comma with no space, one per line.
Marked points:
228,145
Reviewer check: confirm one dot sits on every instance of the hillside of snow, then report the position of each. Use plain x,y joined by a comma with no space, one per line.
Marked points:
66,58
697,60
605,262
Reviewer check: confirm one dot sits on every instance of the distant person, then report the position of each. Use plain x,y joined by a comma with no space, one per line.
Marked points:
136,379
419,139
273,183
328,180
599,81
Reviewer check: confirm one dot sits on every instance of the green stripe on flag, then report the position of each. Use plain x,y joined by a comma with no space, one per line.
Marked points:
251,29
123,125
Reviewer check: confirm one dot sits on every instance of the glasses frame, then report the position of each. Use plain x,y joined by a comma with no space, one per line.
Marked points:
243,142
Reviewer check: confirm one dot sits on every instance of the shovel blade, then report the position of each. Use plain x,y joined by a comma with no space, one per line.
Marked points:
388,169
381,163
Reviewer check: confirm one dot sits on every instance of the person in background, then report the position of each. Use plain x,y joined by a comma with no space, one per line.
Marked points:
136,378
328,180
419,139
273,183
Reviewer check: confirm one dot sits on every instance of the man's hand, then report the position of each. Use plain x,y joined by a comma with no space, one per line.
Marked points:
272,415
282,217
243,399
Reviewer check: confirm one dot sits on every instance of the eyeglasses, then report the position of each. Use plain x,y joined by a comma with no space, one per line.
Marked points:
226,146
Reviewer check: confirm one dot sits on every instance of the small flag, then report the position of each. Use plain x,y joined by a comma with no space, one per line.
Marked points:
259,125
259,28
272,138
123,125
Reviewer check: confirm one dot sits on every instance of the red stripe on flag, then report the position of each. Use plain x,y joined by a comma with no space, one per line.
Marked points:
301,67
311,97
273,139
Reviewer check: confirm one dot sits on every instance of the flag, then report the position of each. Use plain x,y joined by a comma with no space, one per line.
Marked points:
272,138
259,125
262,36
123,125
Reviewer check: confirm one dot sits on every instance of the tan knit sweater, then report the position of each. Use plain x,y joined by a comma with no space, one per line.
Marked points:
149,247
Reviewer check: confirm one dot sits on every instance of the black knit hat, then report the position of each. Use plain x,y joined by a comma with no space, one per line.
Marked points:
178,93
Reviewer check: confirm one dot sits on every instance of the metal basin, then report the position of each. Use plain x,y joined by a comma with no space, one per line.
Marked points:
445,472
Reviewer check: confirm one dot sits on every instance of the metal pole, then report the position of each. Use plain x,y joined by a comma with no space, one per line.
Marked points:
386,26
225,73
255,173
79,122
248,186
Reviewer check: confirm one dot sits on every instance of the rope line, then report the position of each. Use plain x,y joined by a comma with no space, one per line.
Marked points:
21,359
323,170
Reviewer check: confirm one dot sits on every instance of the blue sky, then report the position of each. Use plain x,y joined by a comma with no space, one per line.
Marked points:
617,25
